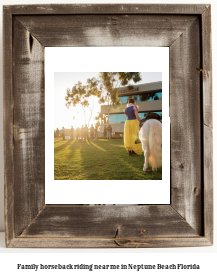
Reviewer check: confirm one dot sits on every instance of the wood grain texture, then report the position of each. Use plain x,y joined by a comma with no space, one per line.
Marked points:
8,125
108,243
207,119
109,222
29,136
186,30
107,30
106,9
208,182
207,67
185,114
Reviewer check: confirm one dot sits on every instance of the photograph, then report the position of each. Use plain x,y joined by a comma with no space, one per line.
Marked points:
103,122
108,126
87,165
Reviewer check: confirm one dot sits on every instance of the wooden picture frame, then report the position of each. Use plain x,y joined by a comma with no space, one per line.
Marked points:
186,30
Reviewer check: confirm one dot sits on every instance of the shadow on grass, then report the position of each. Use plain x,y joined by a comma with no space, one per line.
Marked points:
73,151
97,146
129,165
106,163
61,147
99,160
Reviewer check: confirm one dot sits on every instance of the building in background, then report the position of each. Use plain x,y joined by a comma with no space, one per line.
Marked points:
148,98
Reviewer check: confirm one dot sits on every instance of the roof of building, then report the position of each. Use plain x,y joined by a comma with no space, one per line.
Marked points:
140,88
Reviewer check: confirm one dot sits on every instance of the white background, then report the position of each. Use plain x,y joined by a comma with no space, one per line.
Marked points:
145,59
206,256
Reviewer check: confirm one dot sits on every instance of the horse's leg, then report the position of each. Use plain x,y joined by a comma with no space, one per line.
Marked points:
146,153
144,147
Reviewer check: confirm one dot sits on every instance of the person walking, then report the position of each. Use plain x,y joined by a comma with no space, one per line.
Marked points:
72,136
131,129
109,132
105,132
82,133
91,132
86,133
77,134
96,132
63,133
57,133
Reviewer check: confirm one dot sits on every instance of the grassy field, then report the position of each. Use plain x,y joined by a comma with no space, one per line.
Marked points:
98,160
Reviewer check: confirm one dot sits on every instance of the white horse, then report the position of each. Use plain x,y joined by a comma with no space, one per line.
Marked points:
150,136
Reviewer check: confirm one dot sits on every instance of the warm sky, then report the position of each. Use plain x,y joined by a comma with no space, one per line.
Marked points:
73,116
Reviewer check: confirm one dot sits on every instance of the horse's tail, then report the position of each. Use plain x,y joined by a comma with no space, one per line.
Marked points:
155,143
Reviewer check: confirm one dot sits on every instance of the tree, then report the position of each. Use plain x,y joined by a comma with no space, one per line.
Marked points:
101,118
125,77
105,89
84,95
110,82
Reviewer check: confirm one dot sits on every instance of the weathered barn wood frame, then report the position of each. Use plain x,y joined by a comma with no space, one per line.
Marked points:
186,30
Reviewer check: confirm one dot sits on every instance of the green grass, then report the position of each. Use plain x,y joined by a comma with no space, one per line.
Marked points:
98,160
